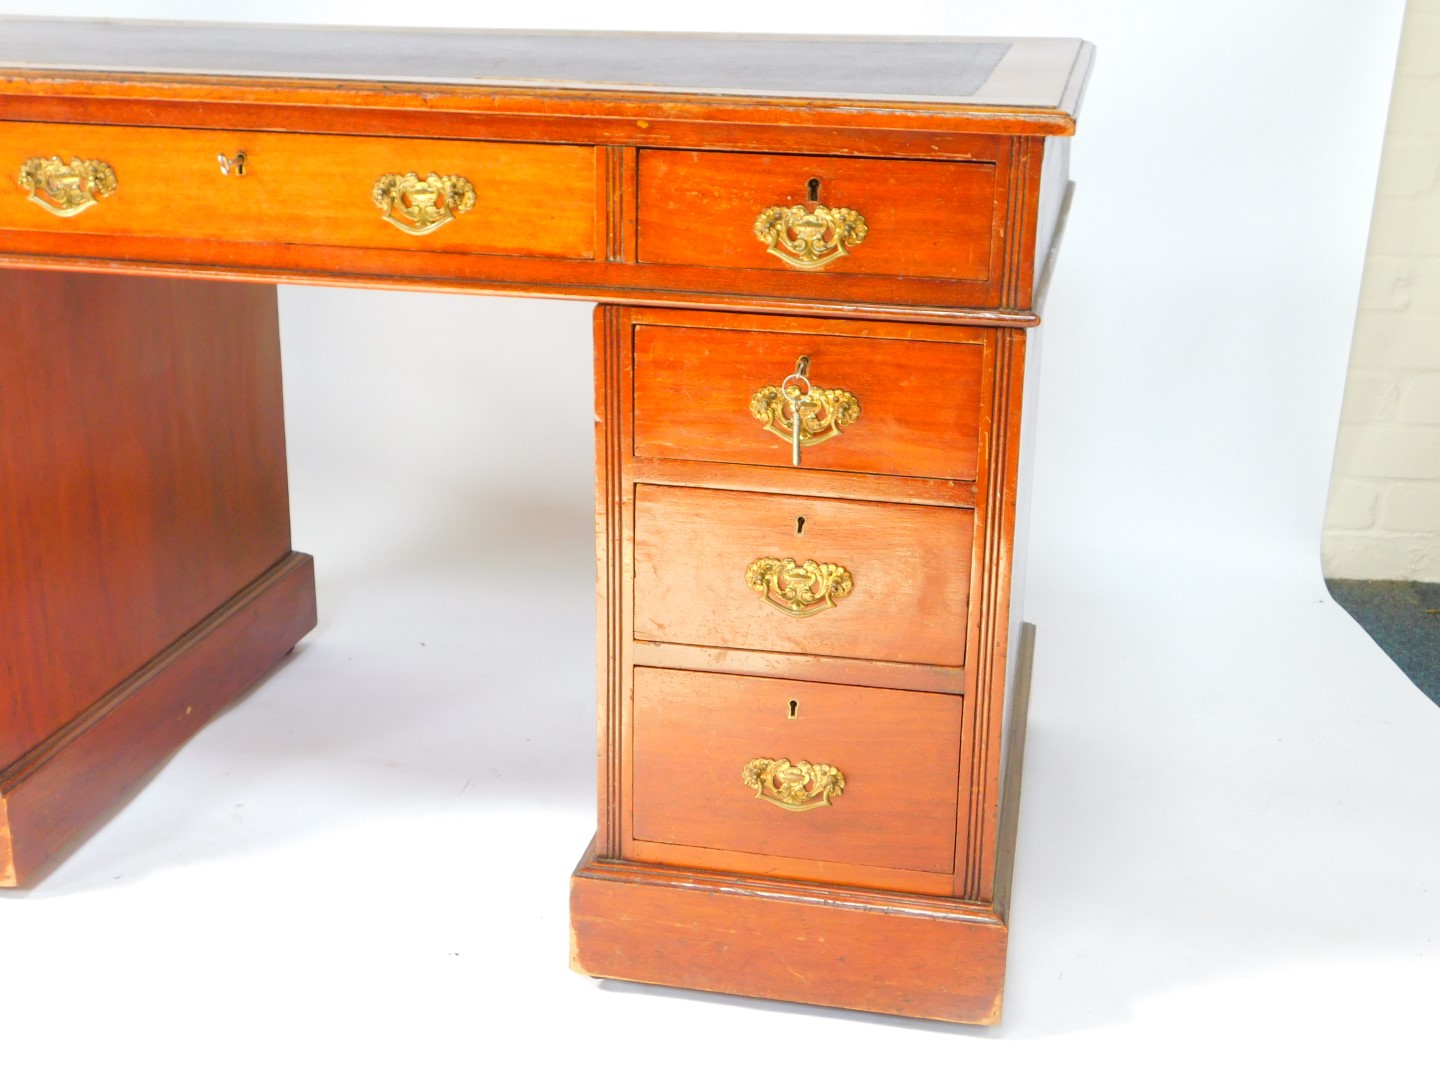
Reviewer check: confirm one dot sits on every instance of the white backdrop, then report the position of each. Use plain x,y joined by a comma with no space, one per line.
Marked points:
1227,848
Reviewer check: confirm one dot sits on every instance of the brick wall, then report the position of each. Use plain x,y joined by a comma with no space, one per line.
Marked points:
1383,518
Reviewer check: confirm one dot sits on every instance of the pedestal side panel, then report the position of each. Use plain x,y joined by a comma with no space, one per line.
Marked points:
142,477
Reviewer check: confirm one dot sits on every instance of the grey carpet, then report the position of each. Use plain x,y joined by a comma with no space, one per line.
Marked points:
1404,619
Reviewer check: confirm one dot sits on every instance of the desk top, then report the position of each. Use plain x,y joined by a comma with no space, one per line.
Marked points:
604,166
1040,75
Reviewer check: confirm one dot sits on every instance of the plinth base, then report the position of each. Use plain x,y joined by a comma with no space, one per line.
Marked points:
52,796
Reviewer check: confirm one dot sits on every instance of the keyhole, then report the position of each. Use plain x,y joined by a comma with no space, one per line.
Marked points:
814,189
794,708
799,525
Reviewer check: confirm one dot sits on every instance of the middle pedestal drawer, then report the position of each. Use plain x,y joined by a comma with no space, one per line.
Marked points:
793,573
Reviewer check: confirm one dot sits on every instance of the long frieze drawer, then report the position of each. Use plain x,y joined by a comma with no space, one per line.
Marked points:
791,573
792,770
867,404
823,215
348,191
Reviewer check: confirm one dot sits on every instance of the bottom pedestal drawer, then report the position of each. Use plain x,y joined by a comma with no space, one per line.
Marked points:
797,779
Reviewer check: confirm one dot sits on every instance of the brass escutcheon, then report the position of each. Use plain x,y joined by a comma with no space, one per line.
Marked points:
419,206
798,589
809,239
66,189
801,786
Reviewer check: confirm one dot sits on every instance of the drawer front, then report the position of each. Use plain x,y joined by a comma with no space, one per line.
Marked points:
493,198
882,405
709,772
889,582
922,219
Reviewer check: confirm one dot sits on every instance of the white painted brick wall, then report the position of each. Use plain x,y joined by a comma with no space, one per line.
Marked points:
1383,518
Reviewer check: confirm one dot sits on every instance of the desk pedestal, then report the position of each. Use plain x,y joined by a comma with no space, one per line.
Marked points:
146,576
808,784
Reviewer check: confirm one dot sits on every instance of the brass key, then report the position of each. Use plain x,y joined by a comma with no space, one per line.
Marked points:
797,421
795,433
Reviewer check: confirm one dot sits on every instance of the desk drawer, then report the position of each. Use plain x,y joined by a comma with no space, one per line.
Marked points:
492,198
921,219
869,580
889,405
846,776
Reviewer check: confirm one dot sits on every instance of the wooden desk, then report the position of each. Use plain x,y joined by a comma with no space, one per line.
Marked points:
806,789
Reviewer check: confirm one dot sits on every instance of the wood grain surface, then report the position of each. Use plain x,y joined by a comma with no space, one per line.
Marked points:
313,189
910,565
339,246
53,796
885,675
899,752
926,219
770,939
142,477
919,400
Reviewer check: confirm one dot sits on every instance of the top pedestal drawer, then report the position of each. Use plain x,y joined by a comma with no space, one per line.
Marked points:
885,399
485,197
907,219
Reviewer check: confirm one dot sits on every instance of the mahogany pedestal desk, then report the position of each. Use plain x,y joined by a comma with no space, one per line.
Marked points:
817,264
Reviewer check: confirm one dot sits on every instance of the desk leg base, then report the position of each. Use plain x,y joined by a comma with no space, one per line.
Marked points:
53,796
926,957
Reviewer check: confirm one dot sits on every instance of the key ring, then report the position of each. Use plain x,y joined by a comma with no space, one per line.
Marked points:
802,374
796,378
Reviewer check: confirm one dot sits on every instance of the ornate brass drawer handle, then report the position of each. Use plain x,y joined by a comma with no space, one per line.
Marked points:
66,189
798,589
421,206
801,786
809,239
821,414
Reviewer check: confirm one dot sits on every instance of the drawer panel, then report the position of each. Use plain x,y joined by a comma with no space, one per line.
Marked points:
697,734
528,199
902,596
918,402
923,219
